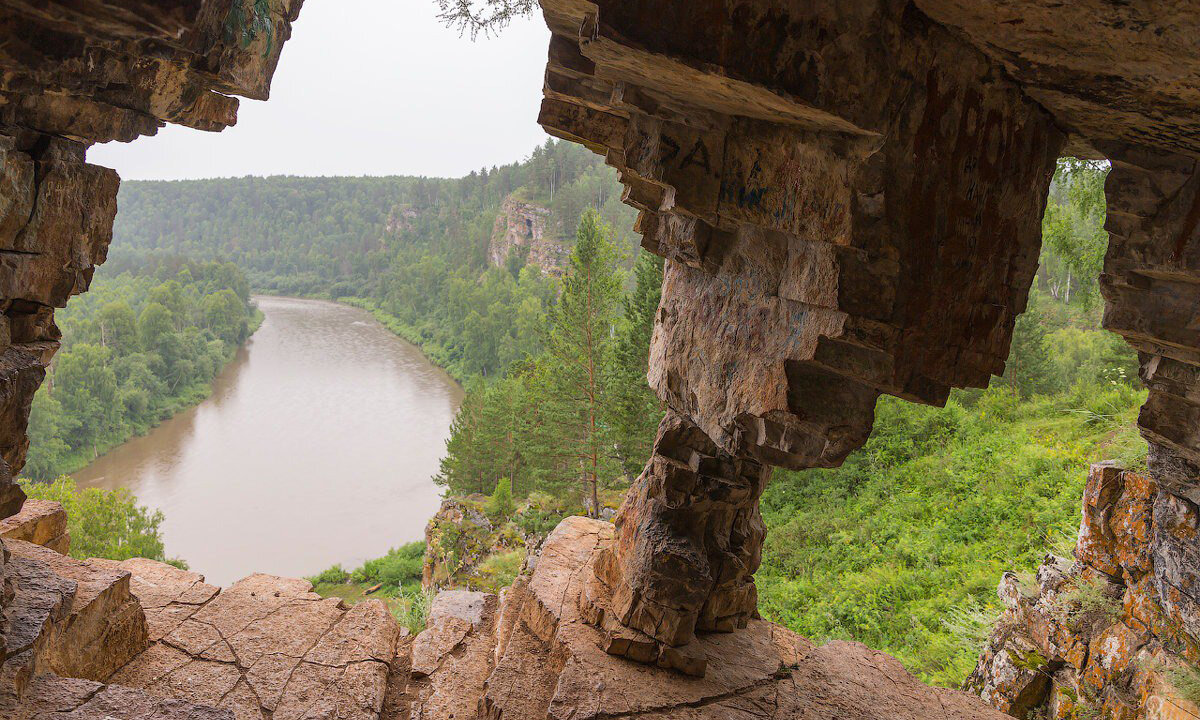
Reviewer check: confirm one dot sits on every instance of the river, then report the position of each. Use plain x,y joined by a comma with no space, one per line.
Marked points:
317,447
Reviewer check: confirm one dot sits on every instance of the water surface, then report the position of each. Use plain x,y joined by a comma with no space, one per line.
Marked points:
317,447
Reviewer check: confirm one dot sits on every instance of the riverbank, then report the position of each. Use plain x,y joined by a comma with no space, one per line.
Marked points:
328,421
188,398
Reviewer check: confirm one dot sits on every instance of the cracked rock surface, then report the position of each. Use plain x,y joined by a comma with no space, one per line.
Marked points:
267,647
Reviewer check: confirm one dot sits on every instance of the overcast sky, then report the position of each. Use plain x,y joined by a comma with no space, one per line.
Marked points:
368,87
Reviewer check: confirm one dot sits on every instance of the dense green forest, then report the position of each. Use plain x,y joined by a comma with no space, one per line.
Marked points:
412,249
145,342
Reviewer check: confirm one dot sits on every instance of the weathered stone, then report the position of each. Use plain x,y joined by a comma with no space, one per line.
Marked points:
453,657
551,665
520,228
266,647
103,626
168,595
41,522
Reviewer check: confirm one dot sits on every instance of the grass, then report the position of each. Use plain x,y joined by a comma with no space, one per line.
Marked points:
902,547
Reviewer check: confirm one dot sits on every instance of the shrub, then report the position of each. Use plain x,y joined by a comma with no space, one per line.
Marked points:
105,523
500,505
412,609
400,565
335,575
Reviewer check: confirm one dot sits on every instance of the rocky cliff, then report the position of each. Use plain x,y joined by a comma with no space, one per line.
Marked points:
141,640
520,229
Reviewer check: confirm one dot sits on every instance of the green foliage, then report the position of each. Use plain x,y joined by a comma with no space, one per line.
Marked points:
142,344
1073,236
1090,600
500,504
412,609
499,570
921,523
1028,370
398,566
482,16
105,523
634,410
1186,681
571,381
333,575
578,417
412,250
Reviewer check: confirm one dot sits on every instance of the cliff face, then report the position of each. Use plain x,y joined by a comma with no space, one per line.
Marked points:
1112,631
848,199
520,228
141,640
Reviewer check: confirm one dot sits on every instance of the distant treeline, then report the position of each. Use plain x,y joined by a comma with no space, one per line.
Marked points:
413,249
142,344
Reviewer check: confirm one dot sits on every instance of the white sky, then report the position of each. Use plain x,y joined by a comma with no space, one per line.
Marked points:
368,87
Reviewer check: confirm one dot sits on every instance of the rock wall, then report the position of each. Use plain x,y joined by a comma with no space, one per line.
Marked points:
521,228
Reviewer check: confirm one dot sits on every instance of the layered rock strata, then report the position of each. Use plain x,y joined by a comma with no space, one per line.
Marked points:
848,198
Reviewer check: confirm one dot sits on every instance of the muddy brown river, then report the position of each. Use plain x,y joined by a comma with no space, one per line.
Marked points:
317,446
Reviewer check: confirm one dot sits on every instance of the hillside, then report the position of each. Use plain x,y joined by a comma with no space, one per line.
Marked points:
417,251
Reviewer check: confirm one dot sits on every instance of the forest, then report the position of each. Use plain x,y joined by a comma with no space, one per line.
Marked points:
412,249
143,343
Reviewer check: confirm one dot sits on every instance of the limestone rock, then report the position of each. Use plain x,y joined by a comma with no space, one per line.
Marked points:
41,522
266,647
521,228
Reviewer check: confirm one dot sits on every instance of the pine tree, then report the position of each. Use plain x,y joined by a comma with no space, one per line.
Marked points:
572,379
1029,368
634,409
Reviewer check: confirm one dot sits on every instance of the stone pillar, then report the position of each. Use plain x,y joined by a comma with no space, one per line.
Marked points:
838,224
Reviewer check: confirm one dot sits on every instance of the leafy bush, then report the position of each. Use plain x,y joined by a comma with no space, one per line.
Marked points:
400,565
335,575
500,505
105,523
